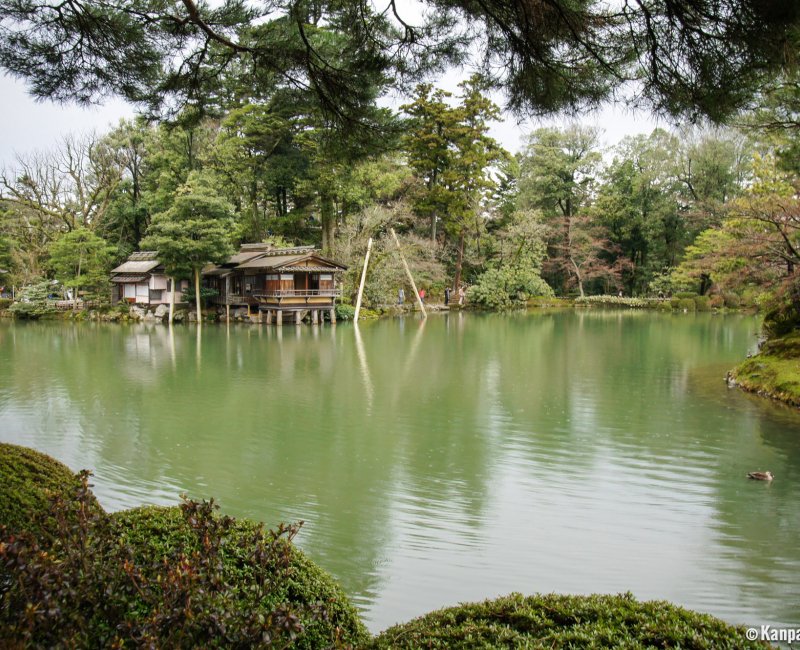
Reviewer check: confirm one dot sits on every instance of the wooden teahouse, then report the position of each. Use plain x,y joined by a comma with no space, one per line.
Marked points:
280,283
141,280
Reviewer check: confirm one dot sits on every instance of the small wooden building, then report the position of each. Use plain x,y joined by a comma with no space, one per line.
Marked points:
278,282
141,280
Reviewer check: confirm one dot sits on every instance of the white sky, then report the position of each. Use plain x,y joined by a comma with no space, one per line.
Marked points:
27,125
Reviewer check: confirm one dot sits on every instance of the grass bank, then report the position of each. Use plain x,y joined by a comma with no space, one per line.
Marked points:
773,372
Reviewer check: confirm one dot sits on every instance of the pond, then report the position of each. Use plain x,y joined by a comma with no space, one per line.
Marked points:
444,461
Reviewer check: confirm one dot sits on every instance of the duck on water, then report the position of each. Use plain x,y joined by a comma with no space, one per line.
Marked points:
761,476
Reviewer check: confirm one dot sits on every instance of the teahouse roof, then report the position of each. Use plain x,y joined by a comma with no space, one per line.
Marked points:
126,278
269,262
138,262
133,266
291,262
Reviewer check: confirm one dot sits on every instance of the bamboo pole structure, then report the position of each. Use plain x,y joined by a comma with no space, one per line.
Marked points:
408,273
363,279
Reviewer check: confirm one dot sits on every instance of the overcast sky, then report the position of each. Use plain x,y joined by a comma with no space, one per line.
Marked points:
27,125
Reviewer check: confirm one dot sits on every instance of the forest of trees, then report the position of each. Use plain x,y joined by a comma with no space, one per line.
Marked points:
299,148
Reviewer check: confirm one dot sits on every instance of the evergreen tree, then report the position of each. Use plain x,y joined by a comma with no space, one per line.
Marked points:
81,259
194,232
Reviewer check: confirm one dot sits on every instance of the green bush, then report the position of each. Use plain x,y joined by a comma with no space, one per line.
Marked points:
683,295
34,301
345,312
554,621
28,482
165,577
717,301
614,301
702,303
507,287
162,533
5,303
205,294
687,304
674,302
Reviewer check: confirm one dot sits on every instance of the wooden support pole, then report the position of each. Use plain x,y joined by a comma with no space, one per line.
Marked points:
279,317
227,313
269,317
333,316
408,273
314,316
363,279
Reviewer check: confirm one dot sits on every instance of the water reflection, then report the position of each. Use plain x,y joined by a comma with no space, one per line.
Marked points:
444,460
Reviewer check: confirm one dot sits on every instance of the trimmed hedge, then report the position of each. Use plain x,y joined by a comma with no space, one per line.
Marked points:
557,621
158,533
160,577
28,481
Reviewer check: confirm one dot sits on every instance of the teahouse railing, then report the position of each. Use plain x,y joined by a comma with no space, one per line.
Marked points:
298,293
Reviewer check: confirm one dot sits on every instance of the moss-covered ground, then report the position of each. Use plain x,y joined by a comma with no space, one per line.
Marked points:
774,371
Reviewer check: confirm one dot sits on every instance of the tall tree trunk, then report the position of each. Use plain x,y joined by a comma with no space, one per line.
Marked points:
459,262
328,222
433,228
172,301
197,295
77,287
578,276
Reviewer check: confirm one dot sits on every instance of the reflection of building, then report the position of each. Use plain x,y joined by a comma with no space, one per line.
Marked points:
296,280
141,280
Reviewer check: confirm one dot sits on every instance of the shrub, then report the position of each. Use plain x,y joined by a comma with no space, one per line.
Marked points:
686,304
34,301
5,303
163,533
614,301
507,287
683,295
554,621
205,294
167,577
732,300
702,303
28,482
717,301
674,302
345,312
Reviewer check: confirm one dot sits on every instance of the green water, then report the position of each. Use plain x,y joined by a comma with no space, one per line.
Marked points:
462,458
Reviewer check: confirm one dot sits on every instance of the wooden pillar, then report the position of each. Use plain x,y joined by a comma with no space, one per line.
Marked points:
269,317
363,279
279,317
333,316
314,316
408,273
227,313
298,317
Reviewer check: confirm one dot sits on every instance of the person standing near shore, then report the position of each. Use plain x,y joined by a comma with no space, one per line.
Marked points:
401,296
446,296
461,295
